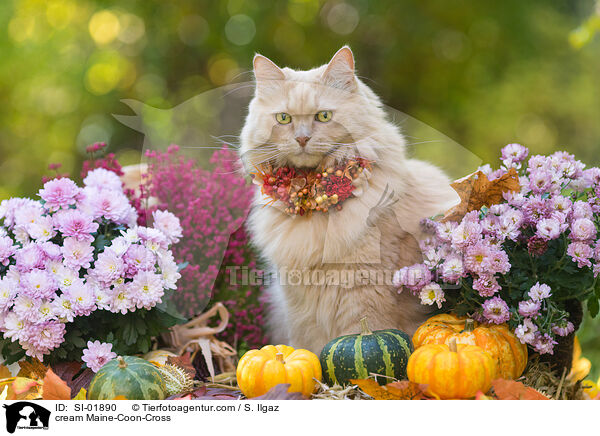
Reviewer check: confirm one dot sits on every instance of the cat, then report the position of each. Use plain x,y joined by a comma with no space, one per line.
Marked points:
371,230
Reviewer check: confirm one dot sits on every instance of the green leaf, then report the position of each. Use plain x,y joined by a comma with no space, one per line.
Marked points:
593,306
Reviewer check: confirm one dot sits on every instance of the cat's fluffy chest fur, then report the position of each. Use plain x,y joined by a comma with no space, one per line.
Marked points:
332,252
310,313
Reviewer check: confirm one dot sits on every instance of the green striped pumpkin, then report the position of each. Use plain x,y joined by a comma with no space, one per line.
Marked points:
131,377
384,352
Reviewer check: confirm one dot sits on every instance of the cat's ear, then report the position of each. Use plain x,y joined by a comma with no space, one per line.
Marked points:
265,69
340,70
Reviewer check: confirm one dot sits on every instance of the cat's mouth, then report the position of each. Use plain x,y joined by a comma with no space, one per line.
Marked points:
313,160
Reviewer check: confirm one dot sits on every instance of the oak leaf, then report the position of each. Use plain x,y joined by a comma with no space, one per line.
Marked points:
402,390
55,388
476,191
513,390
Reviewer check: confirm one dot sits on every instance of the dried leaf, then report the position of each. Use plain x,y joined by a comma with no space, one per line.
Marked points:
5,372
72,374
23,385
476,191
513,390
280,392
32,369
184,362
55,388
217,394
402,390
481,396
81,395
409,390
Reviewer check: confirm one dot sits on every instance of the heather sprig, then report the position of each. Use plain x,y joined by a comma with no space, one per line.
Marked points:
518,261
211,204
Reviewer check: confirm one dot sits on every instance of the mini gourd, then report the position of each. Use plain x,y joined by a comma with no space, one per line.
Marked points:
452,371
131,377
260,370
383,352
498,340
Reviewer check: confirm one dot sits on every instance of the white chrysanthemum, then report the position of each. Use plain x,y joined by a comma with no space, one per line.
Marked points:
13,326
432,293
146,289
63,309
42,229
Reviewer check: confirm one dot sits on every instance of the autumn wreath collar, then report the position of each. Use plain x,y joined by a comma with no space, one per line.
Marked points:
304,191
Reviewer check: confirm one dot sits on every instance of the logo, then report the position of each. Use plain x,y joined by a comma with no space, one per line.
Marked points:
26,415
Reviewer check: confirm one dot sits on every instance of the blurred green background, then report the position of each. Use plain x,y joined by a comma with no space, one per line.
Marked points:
485,73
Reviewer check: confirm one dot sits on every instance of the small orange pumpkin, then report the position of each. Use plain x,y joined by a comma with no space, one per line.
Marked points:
509,353
452,371
260,370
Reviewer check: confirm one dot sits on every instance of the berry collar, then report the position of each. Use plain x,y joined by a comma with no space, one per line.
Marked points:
305,191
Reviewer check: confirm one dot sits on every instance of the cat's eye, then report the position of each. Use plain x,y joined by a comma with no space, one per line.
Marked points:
324,116
283,118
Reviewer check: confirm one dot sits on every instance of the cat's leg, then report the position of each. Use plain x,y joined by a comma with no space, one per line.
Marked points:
277,325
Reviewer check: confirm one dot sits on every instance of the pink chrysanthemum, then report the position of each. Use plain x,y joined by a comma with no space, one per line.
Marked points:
76,224
583,229
548,228
138,258
60,194
478,258
539,292
563,328
544,343
97,354
581,253
529,308
496,310
108,267
526,331
514,153
38,284
486,285
7,249
102,178
38,339
146,289
77,253
413,277
169,224
29,257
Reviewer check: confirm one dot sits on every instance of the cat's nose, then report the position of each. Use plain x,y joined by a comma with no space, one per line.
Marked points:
302,140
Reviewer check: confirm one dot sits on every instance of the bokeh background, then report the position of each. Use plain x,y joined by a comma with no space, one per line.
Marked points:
484,73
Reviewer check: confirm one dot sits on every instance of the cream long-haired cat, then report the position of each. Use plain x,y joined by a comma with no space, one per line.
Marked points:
375,230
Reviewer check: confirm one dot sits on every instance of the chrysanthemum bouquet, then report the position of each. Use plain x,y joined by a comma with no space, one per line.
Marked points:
75,267
524,260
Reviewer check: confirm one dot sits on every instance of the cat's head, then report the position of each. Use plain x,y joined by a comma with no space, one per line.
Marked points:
307,118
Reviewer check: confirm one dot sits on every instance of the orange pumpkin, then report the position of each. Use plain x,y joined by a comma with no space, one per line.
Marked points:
452,371
260,370
498,340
